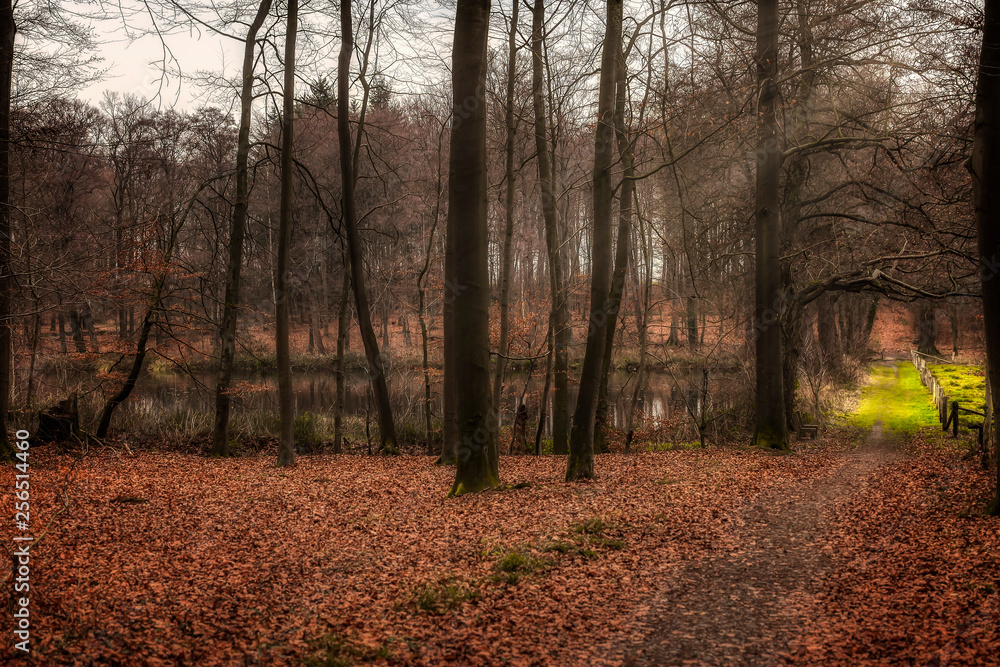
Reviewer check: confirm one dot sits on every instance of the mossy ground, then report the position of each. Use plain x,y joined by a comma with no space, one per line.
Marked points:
965,384
895,397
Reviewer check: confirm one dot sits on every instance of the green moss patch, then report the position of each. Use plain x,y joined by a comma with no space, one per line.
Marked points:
896,398
965,384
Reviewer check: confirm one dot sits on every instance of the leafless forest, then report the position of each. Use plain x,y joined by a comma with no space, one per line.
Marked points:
631,332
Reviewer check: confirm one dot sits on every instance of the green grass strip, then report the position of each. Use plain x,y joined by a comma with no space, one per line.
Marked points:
901,403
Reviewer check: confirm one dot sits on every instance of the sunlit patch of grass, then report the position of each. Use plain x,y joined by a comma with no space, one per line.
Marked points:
965,384
896,398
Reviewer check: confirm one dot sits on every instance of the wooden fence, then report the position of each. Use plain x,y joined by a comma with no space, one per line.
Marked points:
948,412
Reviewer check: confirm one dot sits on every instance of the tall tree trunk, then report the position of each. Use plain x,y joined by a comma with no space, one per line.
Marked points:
449,447
772,429
581,442
953,316
76,329
625,149
795,181
343,323
560,317
237,232
507,259
927,329
286,399
692,319
421,298
7,30
376,364
543,403
133,376
826,326
985,167
478,453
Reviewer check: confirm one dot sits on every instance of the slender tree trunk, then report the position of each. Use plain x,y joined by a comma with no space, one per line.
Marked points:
376,364
421,298
286,398
343,323
692,319
7,30
826,326
449,447
772,430
625,149
36,330
62,334
641,375
953,316
237,232
927,329
478,454
581,442
795,181
553,241
985,168
543,404
133,375
155,305
508,237
76,329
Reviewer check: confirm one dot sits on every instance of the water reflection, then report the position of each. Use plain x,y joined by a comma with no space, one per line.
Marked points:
661,399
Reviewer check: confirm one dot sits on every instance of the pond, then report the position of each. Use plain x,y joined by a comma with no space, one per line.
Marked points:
315,392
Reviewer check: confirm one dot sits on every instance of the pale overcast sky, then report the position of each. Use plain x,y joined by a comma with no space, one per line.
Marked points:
136,65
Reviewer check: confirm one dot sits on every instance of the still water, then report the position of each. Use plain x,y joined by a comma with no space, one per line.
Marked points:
315,392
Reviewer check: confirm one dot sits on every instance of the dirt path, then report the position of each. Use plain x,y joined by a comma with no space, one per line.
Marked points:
734,607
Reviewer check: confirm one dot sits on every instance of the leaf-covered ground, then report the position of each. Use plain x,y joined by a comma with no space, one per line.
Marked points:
918,569
170,559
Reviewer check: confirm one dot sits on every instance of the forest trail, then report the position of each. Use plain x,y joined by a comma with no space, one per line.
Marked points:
741,605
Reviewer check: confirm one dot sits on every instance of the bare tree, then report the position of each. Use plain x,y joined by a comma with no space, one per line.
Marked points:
559,317
772,429
7,31
478,453
237,231
581,443
376,364
985,168
282,295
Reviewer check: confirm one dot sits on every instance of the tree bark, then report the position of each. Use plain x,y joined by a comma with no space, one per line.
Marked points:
625,149
985,168
7,30
286,399
478,455
927,329
771,427
343,322
560,316
581,443
421,299
826,325
237,232
376,364
507,259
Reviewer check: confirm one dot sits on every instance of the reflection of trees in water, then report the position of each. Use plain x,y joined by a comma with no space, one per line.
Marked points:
316,392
